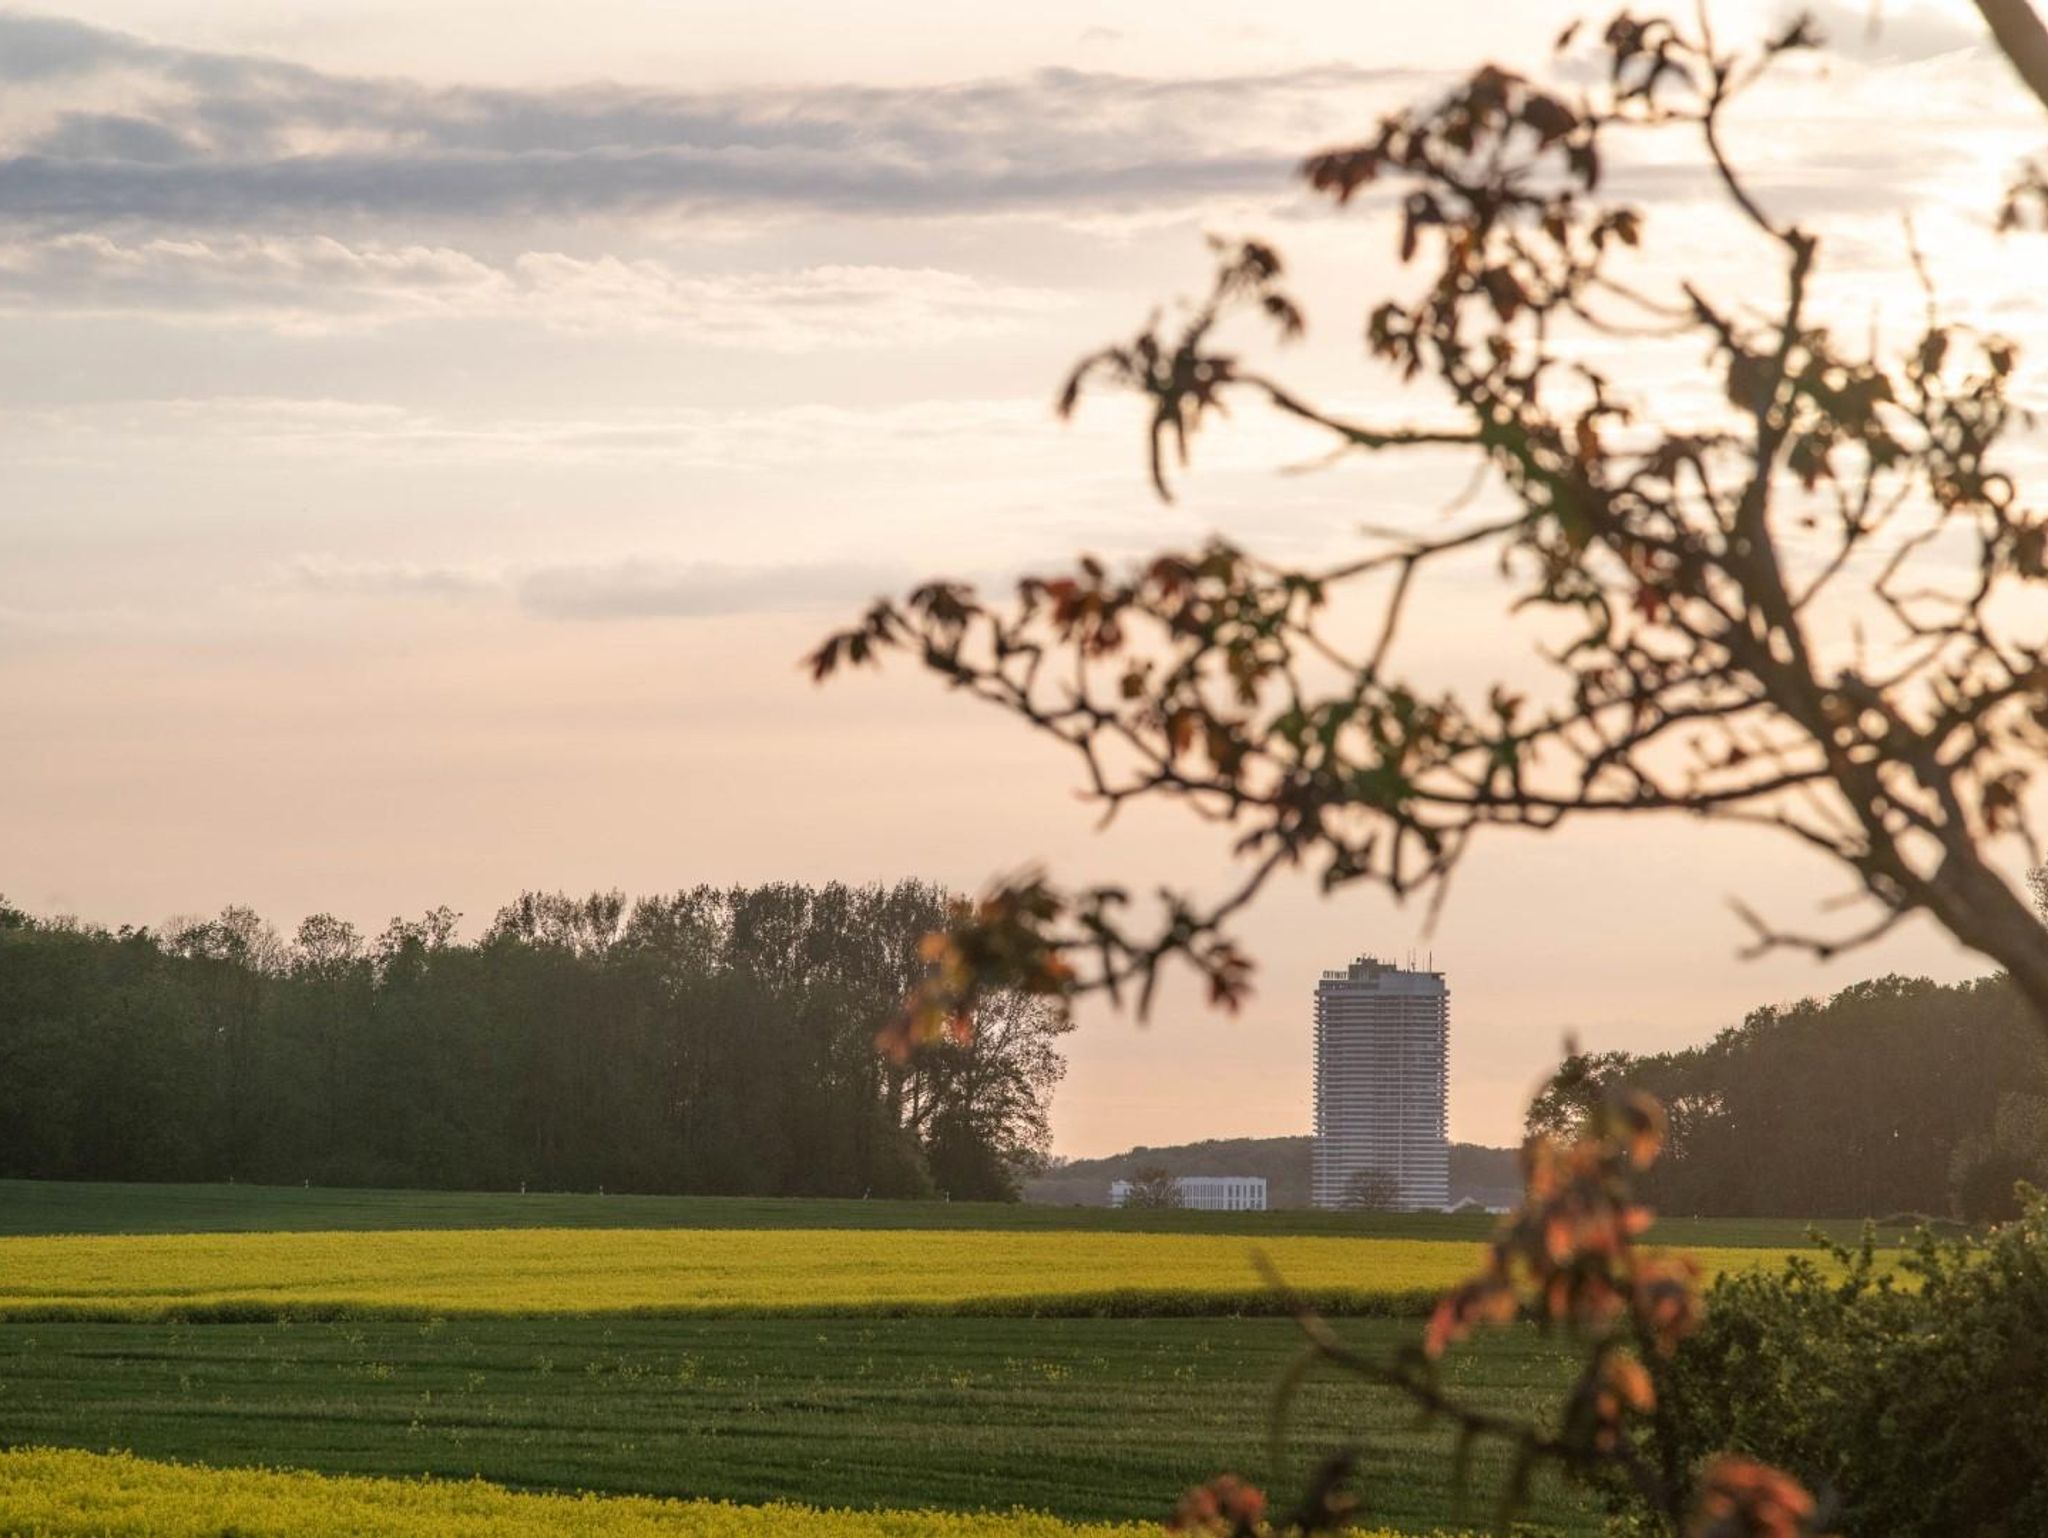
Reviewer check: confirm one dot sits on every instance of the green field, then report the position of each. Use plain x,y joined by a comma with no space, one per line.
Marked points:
1086,1419
68,1207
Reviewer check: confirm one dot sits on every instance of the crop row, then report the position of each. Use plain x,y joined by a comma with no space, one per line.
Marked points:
1090,1420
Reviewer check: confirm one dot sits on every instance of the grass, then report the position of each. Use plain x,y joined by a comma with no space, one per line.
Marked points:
681,1272
54,1494
75,1207
1086,1419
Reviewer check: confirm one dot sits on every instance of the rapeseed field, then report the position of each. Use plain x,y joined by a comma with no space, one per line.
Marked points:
48,1493
718,1271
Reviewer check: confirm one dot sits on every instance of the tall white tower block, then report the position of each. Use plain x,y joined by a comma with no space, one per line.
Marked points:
1382,1086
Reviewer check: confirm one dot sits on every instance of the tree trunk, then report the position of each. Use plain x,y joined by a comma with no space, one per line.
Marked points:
2019,33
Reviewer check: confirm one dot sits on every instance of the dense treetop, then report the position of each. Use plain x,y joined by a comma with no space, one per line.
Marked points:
708,1041
1895,1095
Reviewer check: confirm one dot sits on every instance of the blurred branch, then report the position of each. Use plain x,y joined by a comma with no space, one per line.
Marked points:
2022,38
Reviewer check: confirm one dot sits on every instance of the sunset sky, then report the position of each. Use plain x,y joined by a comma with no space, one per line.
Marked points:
434,432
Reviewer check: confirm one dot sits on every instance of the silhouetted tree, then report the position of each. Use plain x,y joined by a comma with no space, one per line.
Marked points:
1807,607
1153,1186
1370,1191
1803,609
1569,1100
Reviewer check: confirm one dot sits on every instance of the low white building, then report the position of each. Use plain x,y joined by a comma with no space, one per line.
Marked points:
1208,1193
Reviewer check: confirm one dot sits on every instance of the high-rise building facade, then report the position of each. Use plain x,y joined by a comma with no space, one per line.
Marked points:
1382,1086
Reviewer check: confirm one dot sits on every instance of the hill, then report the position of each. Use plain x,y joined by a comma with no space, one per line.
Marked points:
1487,1174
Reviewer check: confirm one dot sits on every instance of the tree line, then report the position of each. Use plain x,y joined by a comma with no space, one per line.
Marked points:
710,1041
1897,1095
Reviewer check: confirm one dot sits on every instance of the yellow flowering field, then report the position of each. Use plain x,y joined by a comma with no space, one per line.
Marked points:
718,1271
46,1493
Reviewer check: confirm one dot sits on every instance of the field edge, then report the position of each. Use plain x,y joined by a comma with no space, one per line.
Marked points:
66,1493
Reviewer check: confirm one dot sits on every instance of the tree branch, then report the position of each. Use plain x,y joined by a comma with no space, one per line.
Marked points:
2022,38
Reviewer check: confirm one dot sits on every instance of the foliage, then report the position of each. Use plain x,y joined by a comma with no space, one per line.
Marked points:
1570,1099
100,1495
1153,1186
714,1041
1803,606
717,1271
1371,1191
1988,1170
1916,1399
1877,1100
1086,1419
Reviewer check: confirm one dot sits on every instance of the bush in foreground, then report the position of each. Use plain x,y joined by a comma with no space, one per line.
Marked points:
1917,1400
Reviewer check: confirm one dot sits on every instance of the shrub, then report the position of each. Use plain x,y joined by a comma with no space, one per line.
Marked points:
1919,1401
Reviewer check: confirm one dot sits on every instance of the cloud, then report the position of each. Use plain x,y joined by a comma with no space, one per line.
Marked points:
143,133
645,589
629,589
1894,33
806,439
110,133
252,276
312,283
358,579
39,48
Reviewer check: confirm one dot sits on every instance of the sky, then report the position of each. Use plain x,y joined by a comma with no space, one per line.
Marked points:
433,434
